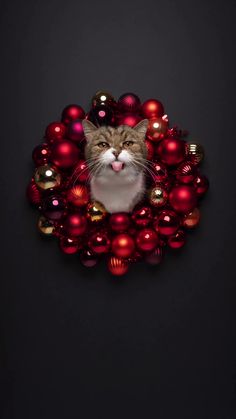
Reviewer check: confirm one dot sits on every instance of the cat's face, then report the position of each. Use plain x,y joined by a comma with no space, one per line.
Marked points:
115,152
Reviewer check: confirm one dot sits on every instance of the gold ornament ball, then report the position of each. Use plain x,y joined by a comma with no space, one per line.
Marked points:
47,177
158,196
96,211
192,219
45,226
102,98
195,152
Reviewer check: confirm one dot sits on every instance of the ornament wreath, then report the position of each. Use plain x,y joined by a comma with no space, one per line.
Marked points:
59,188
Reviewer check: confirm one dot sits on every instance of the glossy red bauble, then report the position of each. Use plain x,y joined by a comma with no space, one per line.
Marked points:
71,113
55,131
183,198
158,172
69,246
65,154
101,115
80,172
117,266
53,207
129,119
123,245
155,257
171,151
147,240
33,194
75,224
167,223
99,243
88,258
78,195
75,131
119,221
186,172
41,154
177,240
129,102
201,185
152,108
157,128
150,150
142,216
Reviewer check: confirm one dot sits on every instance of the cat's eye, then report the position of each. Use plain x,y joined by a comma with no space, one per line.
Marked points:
128,143
103,144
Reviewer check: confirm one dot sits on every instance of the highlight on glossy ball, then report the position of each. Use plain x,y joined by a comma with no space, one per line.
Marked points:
102,97
123,245
55,131
71,113
152,108
96,212
47,177
157,128
65,154
75,131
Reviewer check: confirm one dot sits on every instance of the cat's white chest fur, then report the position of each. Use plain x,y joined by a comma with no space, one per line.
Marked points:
118,194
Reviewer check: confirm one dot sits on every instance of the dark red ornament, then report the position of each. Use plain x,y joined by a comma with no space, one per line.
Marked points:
55,131
128,119
78,195
147,240
71,113
33,194
201,185
171,151
177,240
88,258
157,128
123,245
183,198
101,115
69,245
80,172
117,266
75,224
142,216
41,154
158,172
186,172
65,154
99,243
129,102
155,257
150,150
119,221
152,108
166,223
53,207
75,131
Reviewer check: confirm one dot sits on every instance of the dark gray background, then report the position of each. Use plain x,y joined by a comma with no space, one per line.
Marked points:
162,343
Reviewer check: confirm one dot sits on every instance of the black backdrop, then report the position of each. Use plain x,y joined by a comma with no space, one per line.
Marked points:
74,343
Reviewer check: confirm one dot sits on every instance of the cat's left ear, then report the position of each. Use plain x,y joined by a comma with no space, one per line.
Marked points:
141,127
89,128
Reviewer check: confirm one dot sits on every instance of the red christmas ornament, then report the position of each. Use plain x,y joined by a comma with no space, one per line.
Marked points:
99,243
75,131
71,113
53,207
166,223
41,154
157,128
177,240
129,119
201,185
159,172
186,172
152,108
191,220
33,194
123,245
75,224
81,172
155,257
171,151
69,246
55,131
65,154
150,150
142,216
119,222
183,198
117,266
129,102
103,98
101,115
78,196
88,258
147,240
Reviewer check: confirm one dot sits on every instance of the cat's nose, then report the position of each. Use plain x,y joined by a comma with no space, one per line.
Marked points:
116,153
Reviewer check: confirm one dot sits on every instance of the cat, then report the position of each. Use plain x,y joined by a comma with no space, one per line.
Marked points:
116,157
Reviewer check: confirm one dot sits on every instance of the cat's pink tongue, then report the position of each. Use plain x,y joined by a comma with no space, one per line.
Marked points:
117,166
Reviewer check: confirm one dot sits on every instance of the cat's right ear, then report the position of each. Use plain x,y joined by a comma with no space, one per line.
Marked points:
89,129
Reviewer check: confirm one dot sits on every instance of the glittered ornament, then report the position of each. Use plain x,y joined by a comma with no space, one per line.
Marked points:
194,152
68,245
75,131
166,223
158,196
201,185
65,154
152,108
157,128
117,266
183,198
191,220
103,98
80,172
71,113
155,257
75,224
146,240
171,151
96,212
123,245
101,115
46,226
53,207
186,172
47,177
128,119
88,258
55,131
33,194
129,102
177,240
78,195
99,243
119,222
41,154
142,216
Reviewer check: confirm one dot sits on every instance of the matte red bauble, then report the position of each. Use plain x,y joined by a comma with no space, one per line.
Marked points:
129,119
157,128
53,207
155,257
88,258
147,239
142,216
75,224
78,196
41,154
177,240
150,150
117,266
119,221
81,172
75,131
171,151
55,131
123,245
65,154
33,194
201,185
183,198
71,113
166,223
129,102
68,245
186,172
99,243
152,108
